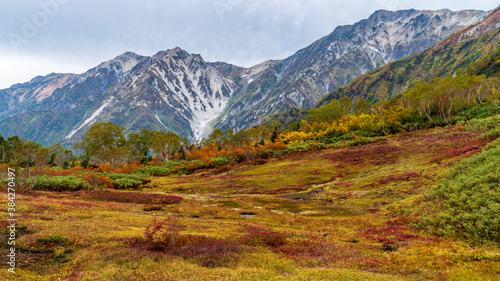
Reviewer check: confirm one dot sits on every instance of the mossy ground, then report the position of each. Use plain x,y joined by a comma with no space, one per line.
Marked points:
346,214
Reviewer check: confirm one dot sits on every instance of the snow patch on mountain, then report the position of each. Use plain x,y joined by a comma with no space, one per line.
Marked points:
91,120
159,120
199,87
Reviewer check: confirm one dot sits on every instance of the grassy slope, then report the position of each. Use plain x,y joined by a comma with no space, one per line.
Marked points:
343,212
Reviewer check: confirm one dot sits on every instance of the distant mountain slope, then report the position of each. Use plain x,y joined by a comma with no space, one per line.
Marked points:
452,54
333,61
62,99
180,92
170,91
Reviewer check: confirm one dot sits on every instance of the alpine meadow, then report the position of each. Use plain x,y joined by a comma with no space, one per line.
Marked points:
371,154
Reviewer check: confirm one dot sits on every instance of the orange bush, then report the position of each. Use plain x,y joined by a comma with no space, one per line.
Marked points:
156,161
208,151
250,154
99,181
105,167
3,167
276,146
59,172
127,168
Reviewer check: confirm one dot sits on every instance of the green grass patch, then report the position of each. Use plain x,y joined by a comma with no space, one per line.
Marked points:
467,204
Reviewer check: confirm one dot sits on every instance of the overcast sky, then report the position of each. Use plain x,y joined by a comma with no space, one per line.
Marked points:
38,37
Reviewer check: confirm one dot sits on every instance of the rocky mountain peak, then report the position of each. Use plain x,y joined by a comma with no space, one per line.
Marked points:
380,16
492,21
122,63
176,53
488,21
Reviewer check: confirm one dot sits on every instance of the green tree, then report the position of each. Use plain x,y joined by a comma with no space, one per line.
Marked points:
239,138
164,144
346,105
220,138
274,136
362,106
105,143
59,155
21,151
328,113
42,157
142,144
4,149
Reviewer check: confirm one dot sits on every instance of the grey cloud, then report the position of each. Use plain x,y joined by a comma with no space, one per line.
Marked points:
242,32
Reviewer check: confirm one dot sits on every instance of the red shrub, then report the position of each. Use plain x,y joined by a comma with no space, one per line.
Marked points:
209,252
104,167
250,154
304,250
463,146
402,221
393,234
383,152
264,236
236,154
159,236
393,178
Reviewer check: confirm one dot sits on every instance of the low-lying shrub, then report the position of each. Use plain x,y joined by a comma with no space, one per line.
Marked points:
217,162
165,237
60,183
389,236
490,126
334,139
264,236
298,147
467,204
51,241
211,252
127,181
154,171
188,167
360,141
152,208
303,251
367,134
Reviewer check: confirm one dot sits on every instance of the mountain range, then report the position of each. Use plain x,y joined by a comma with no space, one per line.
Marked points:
453,56
177,91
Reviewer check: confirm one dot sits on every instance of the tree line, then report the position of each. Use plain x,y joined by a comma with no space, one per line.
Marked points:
425,104
27,153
